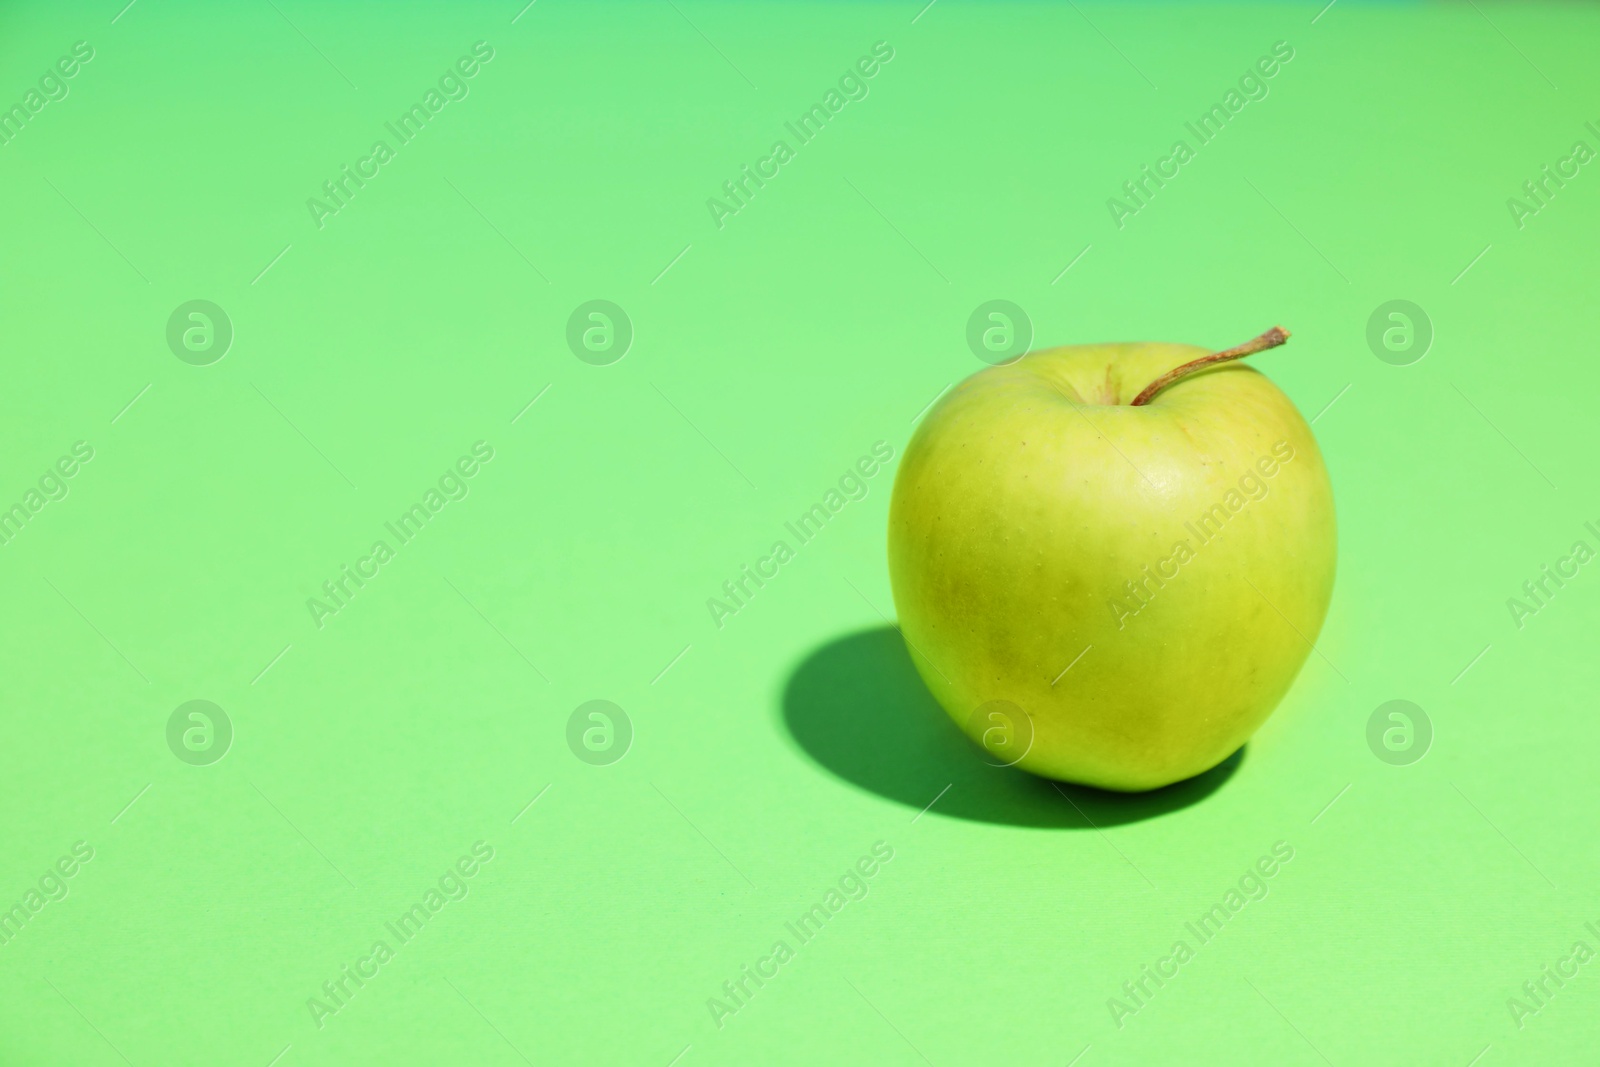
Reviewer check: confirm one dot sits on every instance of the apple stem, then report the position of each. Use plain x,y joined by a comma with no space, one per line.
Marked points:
1271,339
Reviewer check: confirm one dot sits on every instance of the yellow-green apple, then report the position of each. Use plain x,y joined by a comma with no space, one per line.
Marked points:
1110,561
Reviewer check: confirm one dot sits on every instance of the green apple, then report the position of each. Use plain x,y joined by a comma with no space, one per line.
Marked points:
1105,588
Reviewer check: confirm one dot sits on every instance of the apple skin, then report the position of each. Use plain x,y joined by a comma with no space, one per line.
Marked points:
1033,491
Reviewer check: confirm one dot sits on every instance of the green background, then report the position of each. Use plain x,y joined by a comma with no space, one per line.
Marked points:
767,755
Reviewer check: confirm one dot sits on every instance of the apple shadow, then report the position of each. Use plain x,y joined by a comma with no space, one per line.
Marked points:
857,706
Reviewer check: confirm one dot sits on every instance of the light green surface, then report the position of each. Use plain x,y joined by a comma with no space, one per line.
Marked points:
370,754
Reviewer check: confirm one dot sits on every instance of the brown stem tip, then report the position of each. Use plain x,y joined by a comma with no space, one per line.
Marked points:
1271,339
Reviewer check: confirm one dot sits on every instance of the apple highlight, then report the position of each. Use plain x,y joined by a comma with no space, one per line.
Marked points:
1137,594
